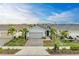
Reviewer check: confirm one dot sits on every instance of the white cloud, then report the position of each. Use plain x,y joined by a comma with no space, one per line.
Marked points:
66,17
12,14
20,14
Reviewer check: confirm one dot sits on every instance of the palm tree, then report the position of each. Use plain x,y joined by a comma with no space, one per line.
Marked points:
53,32
12,31
64,34
24,32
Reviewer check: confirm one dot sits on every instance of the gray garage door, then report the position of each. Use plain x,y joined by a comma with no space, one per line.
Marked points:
35,35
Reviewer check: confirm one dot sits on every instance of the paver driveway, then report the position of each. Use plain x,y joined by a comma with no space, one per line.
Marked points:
34,42
33,51
34,47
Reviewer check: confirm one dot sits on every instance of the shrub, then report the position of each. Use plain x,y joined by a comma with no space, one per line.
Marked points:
43,37
1,50
68,41
77,36
75,48
61,37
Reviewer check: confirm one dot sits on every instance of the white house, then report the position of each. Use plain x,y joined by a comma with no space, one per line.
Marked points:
17,34
37,32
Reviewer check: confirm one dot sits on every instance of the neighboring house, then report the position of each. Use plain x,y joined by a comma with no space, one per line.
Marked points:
37,32
74,34
4,30
4,35
17,34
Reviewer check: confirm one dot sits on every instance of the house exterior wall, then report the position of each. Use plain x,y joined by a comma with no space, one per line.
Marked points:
74,33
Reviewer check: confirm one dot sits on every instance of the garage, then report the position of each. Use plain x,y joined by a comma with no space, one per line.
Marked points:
36,35
36,32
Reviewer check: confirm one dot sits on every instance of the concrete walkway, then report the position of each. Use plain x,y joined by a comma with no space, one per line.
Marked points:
34,42
33,51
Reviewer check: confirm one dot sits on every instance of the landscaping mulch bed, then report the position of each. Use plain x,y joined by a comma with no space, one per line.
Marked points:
47,43
9,51
60,52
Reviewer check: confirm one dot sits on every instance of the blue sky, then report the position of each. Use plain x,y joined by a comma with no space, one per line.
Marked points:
32,13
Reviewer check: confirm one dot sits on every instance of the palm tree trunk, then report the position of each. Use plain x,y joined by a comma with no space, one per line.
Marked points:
55,44
25,36
55,47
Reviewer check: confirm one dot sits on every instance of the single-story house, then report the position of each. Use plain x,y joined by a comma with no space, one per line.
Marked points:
37,32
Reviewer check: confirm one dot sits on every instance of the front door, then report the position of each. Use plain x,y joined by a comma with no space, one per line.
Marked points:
47,32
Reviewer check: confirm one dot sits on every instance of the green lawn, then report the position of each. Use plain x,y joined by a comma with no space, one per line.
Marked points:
16,42
72,44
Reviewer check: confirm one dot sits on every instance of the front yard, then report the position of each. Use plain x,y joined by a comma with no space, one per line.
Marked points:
74,46
16,42
60,43
8,51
